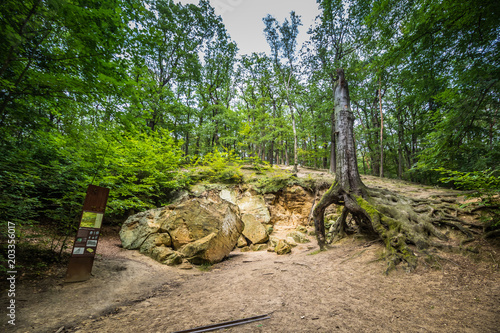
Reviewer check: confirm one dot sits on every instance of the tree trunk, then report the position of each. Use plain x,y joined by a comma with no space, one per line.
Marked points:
396,220
271,153
295,143
381,128
333,159
347,178
375,148
346,174
325,159
287,158
400,145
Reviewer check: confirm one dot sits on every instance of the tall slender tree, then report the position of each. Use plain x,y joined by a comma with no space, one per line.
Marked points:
283,42
397,220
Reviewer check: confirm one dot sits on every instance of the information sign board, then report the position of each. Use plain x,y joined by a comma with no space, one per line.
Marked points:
87,237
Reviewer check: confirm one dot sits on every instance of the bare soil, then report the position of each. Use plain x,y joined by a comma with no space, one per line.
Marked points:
340,290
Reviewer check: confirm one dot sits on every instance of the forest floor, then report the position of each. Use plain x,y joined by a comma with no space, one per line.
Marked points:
339,290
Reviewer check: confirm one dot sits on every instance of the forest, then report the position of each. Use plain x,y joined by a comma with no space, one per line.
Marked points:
148,96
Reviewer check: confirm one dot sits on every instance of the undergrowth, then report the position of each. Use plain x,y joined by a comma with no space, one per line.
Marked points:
277,179
484,186
217,167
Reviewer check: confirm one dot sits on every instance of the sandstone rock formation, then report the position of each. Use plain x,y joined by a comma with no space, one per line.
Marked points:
254,230
291,207
298,237
199,229
207,227
138,228
282,247
254,205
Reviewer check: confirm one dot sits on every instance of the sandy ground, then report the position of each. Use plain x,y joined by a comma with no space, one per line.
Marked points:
341,290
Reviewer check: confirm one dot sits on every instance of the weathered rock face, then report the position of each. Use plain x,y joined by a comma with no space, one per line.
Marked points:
298,237
242,242
229,195
138,228
254,230
292,207
207,227
254,213
166,255
282,247
200,230
155,240
254,205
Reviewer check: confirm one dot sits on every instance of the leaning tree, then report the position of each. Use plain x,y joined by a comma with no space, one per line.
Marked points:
397,220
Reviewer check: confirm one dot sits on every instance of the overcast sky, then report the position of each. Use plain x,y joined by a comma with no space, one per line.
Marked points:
243,19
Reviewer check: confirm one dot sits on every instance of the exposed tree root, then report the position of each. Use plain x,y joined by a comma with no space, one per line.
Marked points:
474,210
339,229
491,234
402,223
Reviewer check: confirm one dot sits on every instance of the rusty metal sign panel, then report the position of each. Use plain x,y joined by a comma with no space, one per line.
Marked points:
87,237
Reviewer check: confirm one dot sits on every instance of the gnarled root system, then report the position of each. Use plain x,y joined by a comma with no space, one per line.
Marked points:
402,223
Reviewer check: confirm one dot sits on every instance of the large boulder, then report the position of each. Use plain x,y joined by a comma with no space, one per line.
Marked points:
166,255
242,242
199,229
137,228
155,240
254,230
254,205
229,195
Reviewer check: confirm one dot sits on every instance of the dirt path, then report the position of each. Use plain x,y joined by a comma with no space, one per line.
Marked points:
341,290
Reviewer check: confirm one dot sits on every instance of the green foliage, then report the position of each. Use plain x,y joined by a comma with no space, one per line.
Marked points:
485,180
486,187
18,200
275,181
258,165
218,167
46,179
141,170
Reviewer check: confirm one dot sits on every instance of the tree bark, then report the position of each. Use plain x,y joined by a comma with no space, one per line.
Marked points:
333,159
287,157
347,179
295,143
396,220
381,128
346,175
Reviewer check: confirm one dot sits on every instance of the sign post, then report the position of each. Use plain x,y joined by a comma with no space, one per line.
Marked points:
82,257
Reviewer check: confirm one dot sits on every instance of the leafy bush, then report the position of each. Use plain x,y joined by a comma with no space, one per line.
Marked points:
46,178
141,170
275,181
258,164
217,166
477,180
485,186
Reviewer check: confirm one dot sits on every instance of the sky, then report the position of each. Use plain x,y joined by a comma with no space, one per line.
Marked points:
243,19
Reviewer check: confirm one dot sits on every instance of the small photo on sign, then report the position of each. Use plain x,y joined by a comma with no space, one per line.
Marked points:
78,250
92,243
91,220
